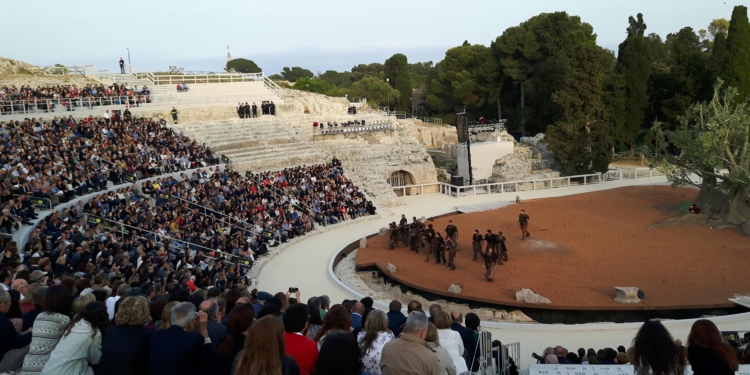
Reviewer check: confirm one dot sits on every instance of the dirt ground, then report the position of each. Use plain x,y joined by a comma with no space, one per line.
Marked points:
582,247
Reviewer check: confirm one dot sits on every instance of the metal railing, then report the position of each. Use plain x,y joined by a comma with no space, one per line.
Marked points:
41,203
505,187
273,86
635,172
171,79
545,163
11,107
353,129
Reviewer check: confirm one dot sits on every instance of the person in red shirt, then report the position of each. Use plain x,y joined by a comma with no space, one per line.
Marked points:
303,350
191,284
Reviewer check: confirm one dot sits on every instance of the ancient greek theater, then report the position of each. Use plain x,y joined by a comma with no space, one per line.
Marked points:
544,203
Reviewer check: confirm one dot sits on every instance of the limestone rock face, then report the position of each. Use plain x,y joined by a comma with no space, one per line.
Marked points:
626,294
510,168
528,296
10,66
391,268
454,288
538,144
383,232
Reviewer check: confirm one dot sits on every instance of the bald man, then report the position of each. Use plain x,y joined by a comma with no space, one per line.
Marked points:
216,331
21,286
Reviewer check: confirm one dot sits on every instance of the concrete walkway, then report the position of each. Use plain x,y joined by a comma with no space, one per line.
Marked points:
307,266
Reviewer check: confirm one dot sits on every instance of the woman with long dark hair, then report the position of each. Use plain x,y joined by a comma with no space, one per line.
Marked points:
339,355
315,322
81,343
336,319
265,351
372,339
240,321
654,352
708,353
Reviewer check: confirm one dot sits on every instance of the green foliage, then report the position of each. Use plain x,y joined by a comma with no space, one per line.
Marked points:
367,70
419,72
718,26
276,77
689,79
736,68
580,138
375,90
243,66
718,52
58,70
295,73
343,79
634,64
398,72
463,79
713,138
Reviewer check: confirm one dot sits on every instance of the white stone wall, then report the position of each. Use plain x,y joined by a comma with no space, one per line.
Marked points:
483,157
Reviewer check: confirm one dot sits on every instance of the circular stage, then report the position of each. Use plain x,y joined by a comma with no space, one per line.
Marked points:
582,247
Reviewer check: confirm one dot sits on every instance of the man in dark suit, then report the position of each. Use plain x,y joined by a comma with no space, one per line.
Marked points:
467,337
216,331
396,318
184,347
357,310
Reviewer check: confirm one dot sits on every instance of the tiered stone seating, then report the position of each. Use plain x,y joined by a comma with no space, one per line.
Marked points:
257,144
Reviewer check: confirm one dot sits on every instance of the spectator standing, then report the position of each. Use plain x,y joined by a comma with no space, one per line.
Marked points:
13,345
180,349
122,66
265,351
708,353
126,344
302,349
81,343
340,355
239,323
372,340
396,318
450,340
654,351
409,353
48,328
444,359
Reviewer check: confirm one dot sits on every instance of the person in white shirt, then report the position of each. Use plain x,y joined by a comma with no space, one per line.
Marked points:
451,341
122,292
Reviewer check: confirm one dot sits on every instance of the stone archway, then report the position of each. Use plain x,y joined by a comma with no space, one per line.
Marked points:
401,178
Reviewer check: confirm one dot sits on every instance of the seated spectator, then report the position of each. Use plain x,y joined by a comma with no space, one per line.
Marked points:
239,324
302,349
80,345
396,318
707,351
48,328
216,330
372,340
654,351
13,345
409,353
265,351
550,359
184,347
126,344
450,340
340,355
36,290
315,321
444,359
336,319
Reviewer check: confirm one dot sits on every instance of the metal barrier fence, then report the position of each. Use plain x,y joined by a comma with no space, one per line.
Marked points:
504,187
545,163
511,356
11,107
40,203
634,172
353,129
159,79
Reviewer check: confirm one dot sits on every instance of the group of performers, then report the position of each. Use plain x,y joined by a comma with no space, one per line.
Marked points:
416,234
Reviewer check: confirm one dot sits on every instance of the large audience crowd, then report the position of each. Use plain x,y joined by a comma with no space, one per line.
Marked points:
152,279
26,99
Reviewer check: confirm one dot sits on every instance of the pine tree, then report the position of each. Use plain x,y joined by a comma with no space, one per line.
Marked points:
736,68
634,63
397,71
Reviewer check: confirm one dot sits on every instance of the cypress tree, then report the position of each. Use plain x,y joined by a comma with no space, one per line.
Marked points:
634,63
397,71
736,68
718,54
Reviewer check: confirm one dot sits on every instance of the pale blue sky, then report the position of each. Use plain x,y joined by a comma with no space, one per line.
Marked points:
318,35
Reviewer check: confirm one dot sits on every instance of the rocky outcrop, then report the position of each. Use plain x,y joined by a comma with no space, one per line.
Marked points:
538,145
528,296
510,168
455,289
10,66
626,295
391,268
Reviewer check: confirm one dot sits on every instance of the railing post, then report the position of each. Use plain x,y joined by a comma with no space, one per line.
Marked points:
534,184
516,187
584,180
421,189
474,190
568,181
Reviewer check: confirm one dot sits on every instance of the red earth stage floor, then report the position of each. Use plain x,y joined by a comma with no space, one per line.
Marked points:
582,247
